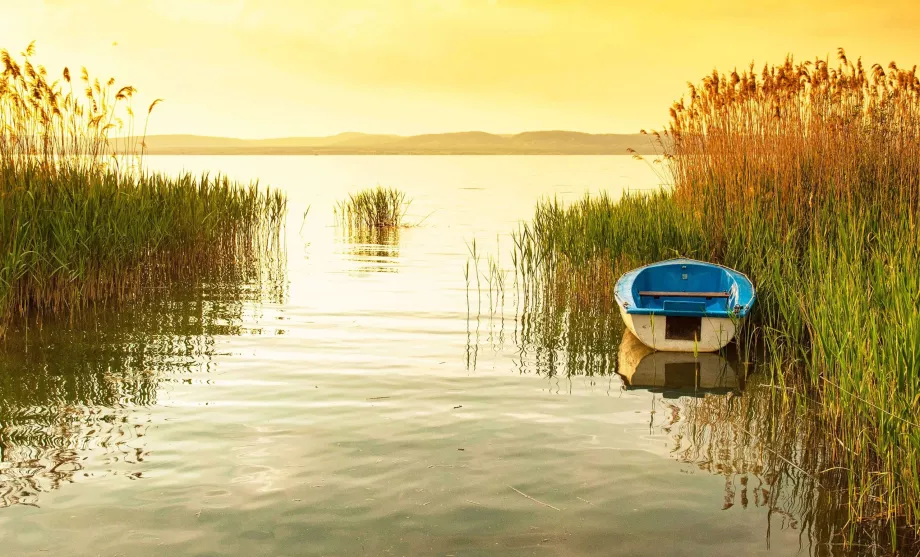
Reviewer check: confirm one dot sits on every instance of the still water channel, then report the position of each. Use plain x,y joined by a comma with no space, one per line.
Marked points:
359,403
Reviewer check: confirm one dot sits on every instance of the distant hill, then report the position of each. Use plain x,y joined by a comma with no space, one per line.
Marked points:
459,143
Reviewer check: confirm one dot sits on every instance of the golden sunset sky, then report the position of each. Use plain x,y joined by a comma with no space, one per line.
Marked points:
269,68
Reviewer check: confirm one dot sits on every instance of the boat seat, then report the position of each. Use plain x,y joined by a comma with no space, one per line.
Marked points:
682,306
660,293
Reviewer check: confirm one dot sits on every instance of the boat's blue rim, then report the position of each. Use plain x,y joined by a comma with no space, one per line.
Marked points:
628,303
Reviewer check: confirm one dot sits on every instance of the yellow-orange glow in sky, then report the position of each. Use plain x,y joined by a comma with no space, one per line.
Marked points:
269,68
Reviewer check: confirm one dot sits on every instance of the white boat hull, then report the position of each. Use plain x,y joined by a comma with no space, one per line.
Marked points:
715,333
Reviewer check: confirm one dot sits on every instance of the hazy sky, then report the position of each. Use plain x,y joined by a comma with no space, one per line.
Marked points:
260,68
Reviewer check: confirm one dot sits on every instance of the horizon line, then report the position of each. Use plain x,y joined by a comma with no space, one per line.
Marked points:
191,134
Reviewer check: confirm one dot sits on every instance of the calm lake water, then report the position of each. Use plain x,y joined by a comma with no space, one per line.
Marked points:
363,405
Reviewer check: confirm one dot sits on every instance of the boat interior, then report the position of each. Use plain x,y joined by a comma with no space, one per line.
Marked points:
684,287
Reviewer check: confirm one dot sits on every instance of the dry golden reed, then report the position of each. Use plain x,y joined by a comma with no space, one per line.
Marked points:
798,138
808,177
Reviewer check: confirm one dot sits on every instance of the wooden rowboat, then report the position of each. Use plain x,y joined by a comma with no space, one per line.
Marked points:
684,305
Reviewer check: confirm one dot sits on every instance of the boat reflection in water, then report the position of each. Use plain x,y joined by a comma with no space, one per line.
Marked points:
681,373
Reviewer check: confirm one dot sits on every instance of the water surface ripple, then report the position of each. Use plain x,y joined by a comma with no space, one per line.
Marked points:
368,405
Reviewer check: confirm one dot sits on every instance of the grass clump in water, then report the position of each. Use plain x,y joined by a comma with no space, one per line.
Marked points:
373,209
806,177
82,223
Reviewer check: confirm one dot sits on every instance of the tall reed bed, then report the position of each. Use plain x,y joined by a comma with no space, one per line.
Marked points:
82,222
805,176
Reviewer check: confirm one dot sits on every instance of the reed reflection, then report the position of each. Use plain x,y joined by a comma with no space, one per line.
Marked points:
774,455
568,324
74,392
720,413
372,250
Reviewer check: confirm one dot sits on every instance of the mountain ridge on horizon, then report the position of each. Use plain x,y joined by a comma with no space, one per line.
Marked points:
548,142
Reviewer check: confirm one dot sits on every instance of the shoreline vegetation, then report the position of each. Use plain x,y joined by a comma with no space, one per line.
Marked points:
806,177
82,223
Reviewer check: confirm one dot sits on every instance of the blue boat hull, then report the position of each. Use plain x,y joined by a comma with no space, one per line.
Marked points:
684,305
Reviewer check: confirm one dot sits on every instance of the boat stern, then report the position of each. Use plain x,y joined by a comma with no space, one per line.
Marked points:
679,333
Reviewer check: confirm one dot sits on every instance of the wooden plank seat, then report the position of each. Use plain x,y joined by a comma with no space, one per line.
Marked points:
660,293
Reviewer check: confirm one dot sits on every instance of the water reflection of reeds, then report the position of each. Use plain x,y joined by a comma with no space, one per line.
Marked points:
42,450
720,414
774,453
569,325
373,250
73,391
